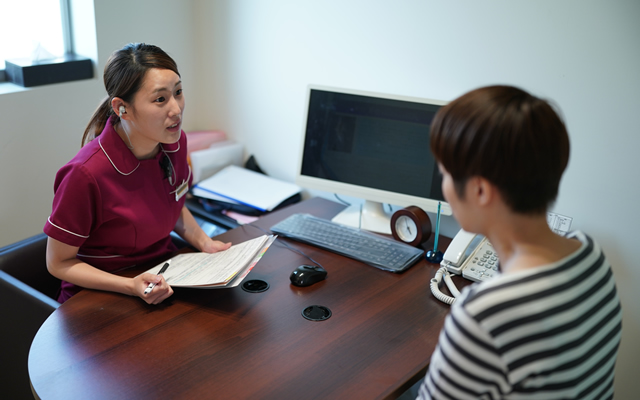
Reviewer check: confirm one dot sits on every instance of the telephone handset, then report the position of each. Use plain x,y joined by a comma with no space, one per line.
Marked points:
469,255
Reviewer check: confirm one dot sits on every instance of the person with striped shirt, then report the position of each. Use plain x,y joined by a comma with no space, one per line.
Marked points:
549,326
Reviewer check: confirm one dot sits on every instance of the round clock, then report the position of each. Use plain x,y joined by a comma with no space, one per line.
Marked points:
411,225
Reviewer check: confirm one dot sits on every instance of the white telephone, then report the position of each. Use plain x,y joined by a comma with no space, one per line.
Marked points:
469,255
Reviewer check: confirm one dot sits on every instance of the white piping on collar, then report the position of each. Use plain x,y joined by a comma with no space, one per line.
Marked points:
62,229
171,151
114,166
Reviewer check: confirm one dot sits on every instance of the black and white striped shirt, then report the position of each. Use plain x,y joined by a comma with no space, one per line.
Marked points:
546,333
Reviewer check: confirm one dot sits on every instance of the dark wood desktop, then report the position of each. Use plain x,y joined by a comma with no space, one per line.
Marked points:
232,344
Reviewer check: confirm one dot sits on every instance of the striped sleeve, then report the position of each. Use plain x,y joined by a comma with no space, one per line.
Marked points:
465,364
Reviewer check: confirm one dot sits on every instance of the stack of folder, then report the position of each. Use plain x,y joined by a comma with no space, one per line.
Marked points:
237,185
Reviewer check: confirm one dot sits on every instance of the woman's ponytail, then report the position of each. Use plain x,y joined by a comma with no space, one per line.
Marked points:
98,121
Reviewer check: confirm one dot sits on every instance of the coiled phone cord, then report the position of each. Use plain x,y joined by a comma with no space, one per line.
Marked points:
435,286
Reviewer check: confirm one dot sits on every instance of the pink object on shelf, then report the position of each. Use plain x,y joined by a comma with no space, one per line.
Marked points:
199,140
240,218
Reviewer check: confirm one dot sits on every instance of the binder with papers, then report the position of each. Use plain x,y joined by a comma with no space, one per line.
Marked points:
224,269
238,185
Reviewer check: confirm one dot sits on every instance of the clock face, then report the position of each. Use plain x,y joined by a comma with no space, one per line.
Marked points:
411,225
406,229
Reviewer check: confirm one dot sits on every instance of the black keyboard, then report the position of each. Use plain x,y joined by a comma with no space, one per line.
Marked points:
383,253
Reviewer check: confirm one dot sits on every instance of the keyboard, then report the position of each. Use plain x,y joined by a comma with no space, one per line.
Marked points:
377,251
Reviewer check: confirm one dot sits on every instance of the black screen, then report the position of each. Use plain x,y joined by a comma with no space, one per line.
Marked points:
372,142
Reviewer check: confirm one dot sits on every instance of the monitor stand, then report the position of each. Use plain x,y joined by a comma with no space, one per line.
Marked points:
370,216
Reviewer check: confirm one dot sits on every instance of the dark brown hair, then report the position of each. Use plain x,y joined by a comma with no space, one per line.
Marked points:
123,76
507,136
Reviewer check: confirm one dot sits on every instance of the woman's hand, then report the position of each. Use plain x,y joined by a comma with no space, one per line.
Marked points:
189,230
160,291
213,246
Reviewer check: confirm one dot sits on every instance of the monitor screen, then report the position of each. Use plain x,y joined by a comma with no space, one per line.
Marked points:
371,146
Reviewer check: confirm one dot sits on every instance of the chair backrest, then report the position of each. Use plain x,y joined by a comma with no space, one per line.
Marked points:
26,261
22,312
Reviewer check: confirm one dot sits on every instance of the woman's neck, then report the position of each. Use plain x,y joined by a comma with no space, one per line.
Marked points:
140,149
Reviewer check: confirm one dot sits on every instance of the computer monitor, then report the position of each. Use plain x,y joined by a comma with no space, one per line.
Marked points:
371,146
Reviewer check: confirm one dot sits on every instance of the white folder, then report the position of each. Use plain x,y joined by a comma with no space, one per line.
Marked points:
243,186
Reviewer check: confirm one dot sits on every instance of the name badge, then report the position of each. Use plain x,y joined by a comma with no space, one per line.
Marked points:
182,189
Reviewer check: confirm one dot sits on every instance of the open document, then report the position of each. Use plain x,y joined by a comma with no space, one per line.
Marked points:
224,269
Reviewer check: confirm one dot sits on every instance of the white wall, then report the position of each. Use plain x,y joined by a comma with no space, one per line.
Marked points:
245,66
584,55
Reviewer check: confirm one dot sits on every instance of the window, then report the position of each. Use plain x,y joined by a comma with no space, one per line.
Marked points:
35,30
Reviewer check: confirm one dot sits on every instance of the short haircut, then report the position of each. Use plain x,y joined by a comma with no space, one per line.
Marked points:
513,139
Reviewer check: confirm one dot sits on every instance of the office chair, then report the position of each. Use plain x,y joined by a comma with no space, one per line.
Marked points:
26,261
22,311
27,293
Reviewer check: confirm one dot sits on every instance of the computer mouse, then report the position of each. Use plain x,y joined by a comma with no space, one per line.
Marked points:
307,275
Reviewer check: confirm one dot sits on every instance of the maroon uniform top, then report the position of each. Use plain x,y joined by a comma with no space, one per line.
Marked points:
117,209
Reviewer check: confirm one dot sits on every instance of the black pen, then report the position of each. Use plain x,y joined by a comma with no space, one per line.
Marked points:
162,271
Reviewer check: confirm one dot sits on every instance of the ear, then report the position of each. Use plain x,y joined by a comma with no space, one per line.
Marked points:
119,107
482,191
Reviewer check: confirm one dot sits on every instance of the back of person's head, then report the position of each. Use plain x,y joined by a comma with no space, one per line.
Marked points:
513,139
123,76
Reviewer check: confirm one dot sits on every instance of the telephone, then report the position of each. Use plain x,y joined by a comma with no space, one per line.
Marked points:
469,255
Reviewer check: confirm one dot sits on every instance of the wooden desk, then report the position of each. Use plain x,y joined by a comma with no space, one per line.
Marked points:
231,344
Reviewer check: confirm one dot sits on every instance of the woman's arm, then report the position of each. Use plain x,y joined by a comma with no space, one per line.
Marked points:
188,229
63,264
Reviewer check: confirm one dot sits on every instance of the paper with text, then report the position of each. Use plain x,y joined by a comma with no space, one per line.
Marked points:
216,269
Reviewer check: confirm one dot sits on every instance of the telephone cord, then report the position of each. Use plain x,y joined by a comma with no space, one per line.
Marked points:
435,289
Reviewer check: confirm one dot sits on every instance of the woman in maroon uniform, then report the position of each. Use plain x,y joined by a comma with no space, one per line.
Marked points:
117,201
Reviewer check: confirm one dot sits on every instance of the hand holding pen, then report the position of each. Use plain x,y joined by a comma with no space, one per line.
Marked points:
152,288
162,271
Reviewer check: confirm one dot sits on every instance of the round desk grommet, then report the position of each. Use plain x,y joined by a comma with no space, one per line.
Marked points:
316,313
255,286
